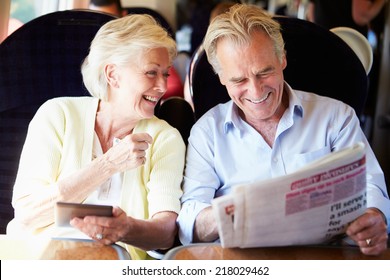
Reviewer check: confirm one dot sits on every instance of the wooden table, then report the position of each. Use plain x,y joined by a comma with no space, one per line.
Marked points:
58,249
213,251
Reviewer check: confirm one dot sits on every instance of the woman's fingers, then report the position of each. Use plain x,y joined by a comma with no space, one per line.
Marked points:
130,152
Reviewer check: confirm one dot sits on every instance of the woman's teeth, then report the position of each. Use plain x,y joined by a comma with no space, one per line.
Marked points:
151,98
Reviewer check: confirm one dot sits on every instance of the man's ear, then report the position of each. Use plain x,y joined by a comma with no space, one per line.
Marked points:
284,61
110,71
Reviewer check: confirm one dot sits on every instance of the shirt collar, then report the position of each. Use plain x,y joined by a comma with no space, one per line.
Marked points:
233,119
295,106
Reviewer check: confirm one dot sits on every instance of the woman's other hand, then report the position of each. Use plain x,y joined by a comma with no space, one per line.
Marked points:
129,153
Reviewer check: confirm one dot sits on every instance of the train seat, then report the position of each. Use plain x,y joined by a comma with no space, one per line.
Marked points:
39,61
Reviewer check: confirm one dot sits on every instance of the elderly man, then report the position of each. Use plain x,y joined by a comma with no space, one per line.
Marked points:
267,129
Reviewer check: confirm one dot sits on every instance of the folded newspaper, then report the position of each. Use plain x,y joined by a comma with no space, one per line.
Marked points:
310,206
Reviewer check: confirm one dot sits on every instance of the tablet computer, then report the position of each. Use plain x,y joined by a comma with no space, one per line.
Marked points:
65,211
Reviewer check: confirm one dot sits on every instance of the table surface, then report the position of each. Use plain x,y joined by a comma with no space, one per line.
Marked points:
213,251
58,249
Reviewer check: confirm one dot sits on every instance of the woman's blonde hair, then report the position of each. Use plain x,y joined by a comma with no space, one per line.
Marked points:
237,26
119,42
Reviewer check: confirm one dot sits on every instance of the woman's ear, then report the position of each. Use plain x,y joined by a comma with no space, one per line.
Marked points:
110,71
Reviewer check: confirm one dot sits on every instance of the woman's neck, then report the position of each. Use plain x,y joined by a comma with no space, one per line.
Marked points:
109,125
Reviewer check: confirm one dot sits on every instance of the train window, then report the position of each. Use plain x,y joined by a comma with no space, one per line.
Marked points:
23,10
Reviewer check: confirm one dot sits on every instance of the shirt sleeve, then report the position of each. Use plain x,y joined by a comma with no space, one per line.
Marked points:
200,180
350,133
166,172
35,186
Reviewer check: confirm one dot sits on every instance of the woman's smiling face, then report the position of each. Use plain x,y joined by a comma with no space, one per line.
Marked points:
141,84
253,76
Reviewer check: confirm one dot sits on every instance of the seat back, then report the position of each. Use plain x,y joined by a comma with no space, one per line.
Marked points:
317,61
39,61
178,113
159,17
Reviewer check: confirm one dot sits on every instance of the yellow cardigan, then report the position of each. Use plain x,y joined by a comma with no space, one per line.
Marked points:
60,141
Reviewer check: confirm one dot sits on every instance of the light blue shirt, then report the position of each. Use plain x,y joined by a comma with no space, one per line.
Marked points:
223,150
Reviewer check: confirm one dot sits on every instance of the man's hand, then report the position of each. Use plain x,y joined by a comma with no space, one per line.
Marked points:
205,229
369,231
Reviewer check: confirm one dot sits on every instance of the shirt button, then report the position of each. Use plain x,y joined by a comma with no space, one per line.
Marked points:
275,160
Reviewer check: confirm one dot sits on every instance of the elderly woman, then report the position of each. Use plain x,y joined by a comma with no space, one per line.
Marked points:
108,148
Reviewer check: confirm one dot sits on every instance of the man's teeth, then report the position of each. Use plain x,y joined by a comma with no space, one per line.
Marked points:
261,100
151,98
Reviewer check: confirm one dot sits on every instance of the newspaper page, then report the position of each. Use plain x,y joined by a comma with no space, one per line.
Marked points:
310,206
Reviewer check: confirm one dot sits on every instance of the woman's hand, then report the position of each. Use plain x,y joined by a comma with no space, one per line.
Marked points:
369,231
129,153
106,230
156,233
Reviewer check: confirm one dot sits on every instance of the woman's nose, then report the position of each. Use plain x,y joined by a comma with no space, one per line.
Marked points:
161,83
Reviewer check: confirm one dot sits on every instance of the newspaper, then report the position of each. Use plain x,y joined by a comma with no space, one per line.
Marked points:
311,206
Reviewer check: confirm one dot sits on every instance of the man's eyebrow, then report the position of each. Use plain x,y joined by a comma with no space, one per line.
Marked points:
266,70
236,79
260,72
